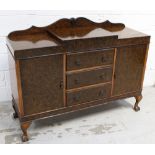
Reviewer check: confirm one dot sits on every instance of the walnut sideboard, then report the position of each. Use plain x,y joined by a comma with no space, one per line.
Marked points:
74,64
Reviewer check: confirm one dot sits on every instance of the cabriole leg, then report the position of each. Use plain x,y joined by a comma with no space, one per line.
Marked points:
138,99
24,127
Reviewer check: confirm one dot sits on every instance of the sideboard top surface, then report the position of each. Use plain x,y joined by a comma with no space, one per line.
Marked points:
66,30
85,33
30,41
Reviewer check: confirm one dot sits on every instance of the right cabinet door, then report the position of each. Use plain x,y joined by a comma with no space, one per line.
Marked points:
129,69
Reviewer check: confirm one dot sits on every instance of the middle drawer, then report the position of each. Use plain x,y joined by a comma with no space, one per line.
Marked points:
89,77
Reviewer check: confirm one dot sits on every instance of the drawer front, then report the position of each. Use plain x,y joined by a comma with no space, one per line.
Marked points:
88,94
89,59
85,78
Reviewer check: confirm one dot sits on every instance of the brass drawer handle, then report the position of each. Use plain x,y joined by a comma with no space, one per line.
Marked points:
77,62
76,98
102,76
103,59
101,93
76,81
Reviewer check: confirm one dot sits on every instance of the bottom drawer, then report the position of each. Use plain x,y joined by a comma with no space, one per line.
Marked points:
88,94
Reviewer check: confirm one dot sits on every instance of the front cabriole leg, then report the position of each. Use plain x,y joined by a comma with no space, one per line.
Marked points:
24,127
138,99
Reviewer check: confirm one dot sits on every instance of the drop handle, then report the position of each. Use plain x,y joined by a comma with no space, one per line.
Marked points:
61,84
102,76
101,93
77,62
76,81
103,59
76,98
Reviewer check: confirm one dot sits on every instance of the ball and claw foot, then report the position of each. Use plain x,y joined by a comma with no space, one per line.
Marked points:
136,108
25,138
138,99
15,115
24,127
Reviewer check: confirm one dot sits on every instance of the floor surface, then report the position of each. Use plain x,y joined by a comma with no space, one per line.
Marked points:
115,122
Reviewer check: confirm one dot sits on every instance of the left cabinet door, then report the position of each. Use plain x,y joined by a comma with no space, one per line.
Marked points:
42,83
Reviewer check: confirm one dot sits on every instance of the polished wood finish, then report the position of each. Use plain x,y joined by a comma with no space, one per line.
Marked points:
129,68
138,99
24,127
74,64
40,89
113,72
88,94
89,77
77,61
77,107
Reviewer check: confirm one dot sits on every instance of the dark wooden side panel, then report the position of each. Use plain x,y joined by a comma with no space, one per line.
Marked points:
129,69
42,83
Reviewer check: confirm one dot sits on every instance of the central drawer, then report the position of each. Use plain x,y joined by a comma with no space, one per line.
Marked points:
88,94
77,61
89,77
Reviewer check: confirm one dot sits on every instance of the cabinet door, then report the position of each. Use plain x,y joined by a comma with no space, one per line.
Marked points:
129,69
42,83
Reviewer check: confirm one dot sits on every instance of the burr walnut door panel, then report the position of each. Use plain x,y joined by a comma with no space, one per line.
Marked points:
42,83
129,69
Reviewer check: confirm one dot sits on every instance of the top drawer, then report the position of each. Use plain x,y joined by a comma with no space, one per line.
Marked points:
89,59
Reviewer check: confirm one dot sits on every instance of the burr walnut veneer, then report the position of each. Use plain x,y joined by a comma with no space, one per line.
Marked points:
74,64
